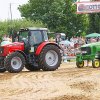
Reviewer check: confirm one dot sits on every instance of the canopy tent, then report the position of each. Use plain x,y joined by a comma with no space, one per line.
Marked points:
93,35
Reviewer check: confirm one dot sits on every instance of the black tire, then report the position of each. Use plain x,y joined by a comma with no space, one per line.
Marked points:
11,62
96,63
32,68
53,49
80,64
2,69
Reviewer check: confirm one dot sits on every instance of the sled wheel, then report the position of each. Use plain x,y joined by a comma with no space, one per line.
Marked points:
14,62
96,63
80,64
50,58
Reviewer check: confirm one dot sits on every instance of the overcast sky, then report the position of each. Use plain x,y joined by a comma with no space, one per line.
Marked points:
5,8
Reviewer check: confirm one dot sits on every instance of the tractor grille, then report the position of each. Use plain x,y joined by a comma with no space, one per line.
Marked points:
1,50
86,50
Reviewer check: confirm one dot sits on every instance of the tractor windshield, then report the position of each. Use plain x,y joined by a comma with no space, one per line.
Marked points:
36,37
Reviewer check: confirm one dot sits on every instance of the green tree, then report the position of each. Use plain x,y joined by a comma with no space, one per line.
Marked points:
94,23
58,15
7,27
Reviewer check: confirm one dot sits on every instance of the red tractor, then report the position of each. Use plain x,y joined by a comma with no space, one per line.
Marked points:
32,51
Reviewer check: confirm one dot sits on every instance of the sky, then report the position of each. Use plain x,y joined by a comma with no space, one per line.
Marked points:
5,8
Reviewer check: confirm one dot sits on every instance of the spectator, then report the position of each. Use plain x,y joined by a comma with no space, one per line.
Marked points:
92,40
14,35
6,40
58,38
4,37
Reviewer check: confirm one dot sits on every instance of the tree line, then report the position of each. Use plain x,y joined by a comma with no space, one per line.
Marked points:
60,16
57,15
9,27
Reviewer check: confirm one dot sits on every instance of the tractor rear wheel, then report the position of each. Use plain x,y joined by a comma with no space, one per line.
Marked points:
14,62
2,69
80,64
32,68
50,58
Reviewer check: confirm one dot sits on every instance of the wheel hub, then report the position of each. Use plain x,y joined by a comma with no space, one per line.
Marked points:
51,58
96,63
16,62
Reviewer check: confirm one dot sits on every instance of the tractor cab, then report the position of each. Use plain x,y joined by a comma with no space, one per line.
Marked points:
32,37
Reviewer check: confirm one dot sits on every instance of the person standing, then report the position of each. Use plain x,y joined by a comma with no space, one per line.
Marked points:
58,39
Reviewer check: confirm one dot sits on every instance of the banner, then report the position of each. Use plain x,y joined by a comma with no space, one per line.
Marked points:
88,7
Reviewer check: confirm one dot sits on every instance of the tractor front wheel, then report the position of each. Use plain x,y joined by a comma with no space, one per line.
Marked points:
80,64
50,58
14,62
96,63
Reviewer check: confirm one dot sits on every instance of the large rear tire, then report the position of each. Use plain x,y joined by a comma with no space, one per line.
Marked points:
14,62
50,58
96,63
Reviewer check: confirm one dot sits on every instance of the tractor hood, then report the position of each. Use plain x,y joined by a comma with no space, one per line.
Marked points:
91,44
11,47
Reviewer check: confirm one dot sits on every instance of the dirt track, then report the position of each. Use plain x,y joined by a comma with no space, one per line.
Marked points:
67,83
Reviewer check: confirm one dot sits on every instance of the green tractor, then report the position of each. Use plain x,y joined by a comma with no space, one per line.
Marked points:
89,52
